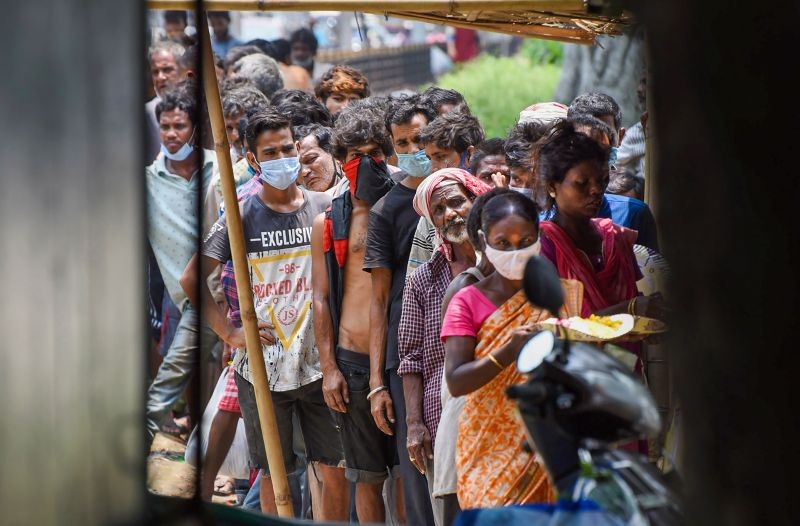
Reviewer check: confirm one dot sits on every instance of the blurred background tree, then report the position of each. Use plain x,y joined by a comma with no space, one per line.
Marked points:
498,88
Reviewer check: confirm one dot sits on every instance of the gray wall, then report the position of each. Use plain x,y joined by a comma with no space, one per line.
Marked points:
72,313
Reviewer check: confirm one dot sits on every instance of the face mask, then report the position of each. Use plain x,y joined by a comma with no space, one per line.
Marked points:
369,178
527,192
303,63
414,164
182,153
510,263
612,156
280,173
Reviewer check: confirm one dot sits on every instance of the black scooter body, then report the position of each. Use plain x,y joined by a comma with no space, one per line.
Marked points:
575,405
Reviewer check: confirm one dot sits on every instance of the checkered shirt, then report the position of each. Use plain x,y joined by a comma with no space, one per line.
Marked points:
420,348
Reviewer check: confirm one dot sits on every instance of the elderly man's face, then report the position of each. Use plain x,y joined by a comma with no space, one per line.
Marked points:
164,70
317,170
450,206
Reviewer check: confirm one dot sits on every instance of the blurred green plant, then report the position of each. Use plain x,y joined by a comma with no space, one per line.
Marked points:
497,89
543,51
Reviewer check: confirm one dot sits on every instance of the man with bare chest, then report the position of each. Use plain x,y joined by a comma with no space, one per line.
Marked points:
342,293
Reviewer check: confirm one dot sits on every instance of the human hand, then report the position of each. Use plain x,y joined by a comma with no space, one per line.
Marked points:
334,390
382,411
509,352
652,306
418,443
235,337
499,180
226,354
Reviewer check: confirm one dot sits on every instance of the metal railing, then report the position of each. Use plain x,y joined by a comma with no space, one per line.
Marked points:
388,69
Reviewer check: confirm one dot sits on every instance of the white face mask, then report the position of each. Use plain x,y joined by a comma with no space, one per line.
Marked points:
510,263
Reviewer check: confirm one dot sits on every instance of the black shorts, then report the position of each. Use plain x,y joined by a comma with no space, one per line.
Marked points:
320,436
369,453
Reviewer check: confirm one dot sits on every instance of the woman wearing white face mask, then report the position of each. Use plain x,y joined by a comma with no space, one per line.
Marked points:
483,330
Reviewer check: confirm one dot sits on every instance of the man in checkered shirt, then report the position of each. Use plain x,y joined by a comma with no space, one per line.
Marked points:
444,199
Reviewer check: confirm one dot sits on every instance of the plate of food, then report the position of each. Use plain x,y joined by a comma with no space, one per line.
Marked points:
614,328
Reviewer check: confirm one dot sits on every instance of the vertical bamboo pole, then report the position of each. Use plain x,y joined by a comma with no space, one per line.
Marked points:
258,371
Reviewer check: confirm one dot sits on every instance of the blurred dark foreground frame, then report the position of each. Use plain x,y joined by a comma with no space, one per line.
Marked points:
72,215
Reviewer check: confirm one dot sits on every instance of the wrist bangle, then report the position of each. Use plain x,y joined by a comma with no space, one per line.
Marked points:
495,361
632,306
376,390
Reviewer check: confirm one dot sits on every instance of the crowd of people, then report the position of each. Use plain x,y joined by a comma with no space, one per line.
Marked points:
386,238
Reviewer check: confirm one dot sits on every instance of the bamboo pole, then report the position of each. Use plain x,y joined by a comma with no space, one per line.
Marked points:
258,371
375,6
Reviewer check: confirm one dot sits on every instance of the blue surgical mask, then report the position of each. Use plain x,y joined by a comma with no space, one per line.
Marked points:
280,173
182,153
612,156
414,164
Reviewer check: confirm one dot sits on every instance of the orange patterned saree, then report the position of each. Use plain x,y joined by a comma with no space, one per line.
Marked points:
493,470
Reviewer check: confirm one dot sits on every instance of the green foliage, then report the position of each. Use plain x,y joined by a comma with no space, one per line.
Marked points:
497,89
543,51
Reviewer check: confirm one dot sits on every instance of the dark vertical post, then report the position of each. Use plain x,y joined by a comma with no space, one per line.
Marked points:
728,200
72,317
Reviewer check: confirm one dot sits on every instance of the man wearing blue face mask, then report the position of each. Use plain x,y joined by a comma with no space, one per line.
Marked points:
404,123
277,225
173,184
449,141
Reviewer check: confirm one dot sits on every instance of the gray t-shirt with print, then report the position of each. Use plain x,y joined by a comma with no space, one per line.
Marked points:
279,258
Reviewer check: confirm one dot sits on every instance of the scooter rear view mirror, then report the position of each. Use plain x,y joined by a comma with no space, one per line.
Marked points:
534,351
542,285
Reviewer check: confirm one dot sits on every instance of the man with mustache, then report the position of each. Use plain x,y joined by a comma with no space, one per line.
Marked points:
164,72
444,199
449,141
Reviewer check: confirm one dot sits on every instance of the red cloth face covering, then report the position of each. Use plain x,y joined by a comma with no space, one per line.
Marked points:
369,181
369,178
